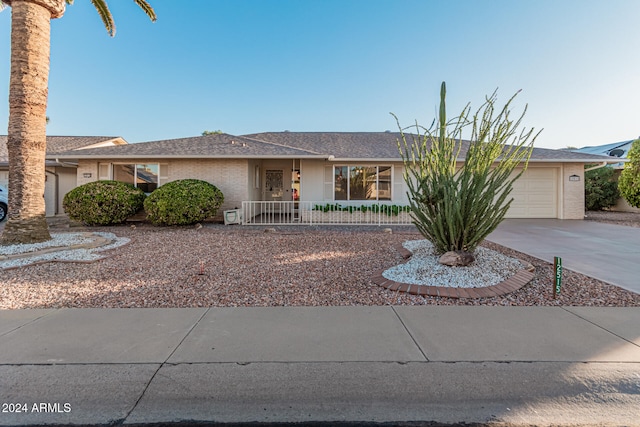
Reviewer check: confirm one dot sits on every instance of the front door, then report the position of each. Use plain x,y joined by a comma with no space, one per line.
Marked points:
274,186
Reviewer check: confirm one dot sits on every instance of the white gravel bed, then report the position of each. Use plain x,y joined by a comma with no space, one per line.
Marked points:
489,268
59,241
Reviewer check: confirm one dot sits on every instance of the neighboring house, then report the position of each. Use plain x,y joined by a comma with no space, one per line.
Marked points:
616,150
60,174
317,167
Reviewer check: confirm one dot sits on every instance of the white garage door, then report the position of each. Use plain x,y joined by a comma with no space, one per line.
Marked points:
535,194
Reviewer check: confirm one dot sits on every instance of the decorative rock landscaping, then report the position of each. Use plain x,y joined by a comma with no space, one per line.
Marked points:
230,266
491,274
63,247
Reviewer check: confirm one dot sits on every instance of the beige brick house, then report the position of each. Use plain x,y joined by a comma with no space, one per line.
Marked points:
269,170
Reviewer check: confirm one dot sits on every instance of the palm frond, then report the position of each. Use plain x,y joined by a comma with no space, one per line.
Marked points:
146,7
107,18
105,15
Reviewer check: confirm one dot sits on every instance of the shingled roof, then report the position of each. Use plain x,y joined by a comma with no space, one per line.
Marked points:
353,146
61,144
208,146
338,146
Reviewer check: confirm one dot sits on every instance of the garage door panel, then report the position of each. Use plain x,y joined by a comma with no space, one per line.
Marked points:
535,194
546,199
538,173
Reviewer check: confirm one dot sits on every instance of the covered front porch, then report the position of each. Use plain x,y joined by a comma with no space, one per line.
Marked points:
315,192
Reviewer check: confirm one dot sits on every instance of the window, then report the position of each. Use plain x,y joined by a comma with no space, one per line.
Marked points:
143,176
362,183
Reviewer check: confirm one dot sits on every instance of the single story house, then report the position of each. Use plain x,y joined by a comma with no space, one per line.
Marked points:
616,150
277,171
60,174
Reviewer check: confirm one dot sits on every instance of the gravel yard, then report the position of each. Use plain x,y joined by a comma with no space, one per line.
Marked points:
629,219
244,266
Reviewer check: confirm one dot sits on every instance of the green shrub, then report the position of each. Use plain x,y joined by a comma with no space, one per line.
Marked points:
103,202
390,210
600,189
629,182
183,202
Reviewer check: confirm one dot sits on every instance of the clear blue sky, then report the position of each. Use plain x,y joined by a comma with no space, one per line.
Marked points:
247,66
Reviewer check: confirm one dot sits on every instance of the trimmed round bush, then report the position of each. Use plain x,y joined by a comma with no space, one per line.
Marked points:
103,202
183,202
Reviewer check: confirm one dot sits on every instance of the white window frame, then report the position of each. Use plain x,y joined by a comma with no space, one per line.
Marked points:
350,165
162,167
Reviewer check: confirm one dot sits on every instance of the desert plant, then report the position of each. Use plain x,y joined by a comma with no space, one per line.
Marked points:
183,202
629,182
103,202
600,188
456,208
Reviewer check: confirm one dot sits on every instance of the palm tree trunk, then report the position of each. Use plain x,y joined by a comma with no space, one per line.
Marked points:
28,91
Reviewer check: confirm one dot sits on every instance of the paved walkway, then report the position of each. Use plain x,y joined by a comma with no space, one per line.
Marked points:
607,252
514,365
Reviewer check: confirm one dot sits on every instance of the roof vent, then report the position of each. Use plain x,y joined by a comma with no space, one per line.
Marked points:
618,152
233,142
387,131
287,131
244,144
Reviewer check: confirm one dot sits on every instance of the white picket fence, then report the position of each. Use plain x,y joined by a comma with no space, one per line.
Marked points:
324,213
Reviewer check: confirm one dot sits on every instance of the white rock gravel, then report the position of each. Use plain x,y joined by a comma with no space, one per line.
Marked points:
244,266
489,268
59,241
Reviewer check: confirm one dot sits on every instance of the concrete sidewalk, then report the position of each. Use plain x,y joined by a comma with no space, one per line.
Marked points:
511,365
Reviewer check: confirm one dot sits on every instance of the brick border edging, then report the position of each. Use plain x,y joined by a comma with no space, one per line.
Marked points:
512,284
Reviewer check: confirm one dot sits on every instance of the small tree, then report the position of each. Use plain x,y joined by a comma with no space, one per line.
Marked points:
456,208
600,188
629,182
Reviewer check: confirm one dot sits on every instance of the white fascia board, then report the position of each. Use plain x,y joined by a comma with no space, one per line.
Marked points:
612,160
370,160
398,160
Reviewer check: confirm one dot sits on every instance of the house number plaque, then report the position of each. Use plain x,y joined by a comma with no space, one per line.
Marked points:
557,268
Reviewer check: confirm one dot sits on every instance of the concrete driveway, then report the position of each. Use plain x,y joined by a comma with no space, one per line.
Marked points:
607,252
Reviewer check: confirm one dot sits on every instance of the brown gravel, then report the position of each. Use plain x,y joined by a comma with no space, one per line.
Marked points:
629,219
245,266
